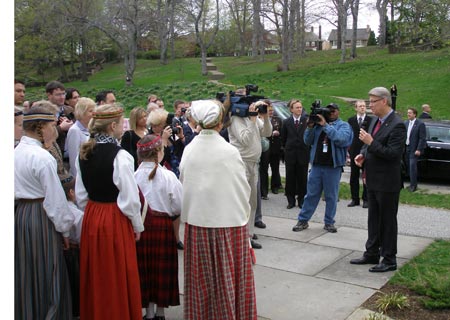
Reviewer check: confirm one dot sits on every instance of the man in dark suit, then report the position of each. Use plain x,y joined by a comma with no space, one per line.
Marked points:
296,154
416,141
426,109
381,155
271,157
360,120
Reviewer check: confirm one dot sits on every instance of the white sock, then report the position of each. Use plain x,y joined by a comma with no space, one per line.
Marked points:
159,311
150,310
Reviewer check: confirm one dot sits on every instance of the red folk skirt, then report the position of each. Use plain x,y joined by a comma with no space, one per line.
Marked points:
109,278
158,261
218,274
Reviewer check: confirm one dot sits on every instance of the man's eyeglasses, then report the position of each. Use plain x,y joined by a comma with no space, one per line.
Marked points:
60,94
373,101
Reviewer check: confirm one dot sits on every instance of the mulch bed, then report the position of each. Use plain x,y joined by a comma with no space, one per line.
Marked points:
415,311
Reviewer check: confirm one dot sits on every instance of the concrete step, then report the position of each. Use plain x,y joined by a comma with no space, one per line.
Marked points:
215,75
211,66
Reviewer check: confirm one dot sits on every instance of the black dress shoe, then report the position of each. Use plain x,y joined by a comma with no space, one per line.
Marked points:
255,245
255,237
275,191
412,188
265,197
180,245
353,203
290,206
365,260
365,204
260,224
382,267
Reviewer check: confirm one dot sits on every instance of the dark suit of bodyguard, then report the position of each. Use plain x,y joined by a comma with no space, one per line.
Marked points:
296,154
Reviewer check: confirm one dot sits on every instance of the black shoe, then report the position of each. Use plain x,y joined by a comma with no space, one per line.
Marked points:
290,206
275,191
365,204
382,267
301,225
265,197
160,318
365,260
260,224
353,203
255,245
255,237
180,245
330,228
412,188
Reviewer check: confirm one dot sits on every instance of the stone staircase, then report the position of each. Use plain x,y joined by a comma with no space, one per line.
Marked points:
213,73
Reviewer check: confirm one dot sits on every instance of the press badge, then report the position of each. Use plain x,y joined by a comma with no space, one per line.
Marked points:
325,148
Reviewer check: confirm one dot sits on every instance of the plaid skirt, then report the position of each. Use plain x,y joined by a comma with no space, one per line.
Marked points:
109,276
218,274
158,262
41,282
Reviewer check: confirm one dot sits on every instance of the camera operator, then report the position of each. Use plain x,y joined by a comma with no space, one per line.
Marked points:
329,138
245,134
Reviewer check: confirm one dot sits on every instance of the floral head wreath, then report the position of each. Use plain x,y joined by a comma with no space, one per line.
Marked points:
108,114
155,143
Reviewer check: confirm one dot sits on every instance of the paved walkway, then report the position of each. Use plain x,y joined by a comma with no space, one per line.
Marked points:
306,275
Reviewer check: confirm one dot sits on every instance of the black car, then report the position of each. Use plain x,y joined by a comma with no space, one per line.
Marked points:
435,162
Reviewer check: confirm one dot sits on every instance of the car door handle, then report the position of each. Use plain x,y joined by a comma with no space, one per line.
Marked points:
435,148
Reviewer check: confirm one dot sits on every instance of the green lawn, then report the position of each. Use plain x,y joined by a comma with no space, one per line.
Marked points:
428,274
422,77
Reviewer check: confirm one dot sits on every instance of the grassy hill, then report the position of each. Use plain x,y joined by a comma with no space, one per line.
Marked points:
422,77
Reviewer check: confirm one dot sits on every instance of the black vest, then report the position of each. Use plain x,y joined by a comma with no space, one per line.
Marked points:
97,173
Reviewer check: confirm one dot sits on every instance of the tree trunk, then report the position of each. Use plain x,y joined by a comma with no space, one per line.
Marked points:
257,27
204,54
355,10
83,69
285,37
382,12
62,69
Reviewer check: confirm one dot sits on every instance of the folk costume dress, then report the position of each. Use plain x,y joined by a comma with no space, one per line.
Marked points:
218,275
41,282
158,247
109,279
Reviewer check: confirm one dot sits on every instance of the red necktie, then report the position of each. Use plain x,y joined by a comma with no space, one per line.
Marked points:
296,123
377,127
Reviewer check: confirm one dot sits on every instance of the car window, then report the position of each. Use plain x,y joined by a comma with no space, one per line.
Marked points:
438,134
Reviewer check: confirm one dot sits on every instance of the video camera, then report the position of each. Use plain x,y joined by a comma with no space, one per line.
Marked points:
317,109
239,103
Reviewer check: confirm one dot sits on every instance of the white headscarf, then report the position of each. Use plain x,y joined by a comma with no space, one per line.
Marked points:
207,113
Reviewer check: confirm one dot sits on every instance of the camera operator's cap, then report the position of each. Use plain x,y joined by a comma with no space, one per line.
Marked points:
333,106
207,113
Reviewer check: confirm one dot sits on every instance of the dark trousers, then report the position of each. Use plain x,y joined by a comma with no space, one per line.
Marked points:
382,225
354,182
296,181
272,159
411,166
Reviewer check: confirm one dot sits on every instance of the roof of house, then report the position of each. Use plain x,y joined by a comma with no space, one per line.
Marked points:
361,34
311,36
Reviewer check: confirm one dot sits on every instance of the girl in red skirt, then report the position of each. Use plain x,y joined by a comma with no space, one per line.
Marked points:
157,252
105,187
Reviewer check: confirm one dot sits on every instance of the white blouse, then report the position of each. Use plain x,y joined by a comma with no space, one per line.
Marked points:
164,192
123,178
35,177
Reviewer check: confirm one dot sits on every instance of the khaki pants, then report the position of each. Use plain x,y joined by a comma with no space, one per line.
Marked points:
251,171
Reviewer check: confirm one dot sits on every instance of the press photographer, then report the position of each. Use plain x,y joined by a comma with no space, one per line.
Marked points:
245,134
329,138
